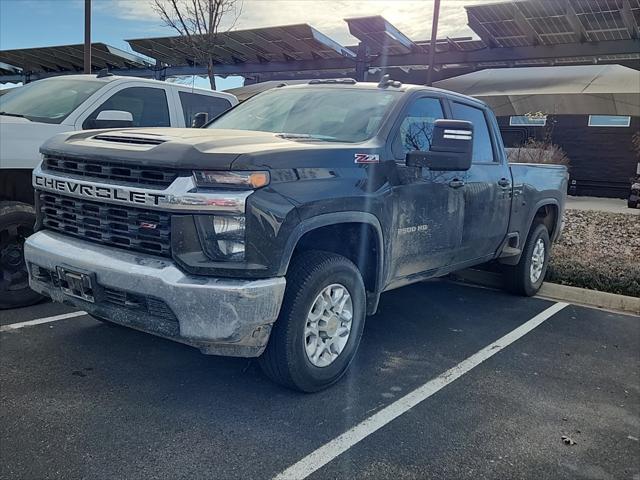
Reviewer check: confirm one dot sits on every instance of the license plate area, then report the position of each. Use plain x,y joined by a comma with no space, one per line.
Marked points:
77,284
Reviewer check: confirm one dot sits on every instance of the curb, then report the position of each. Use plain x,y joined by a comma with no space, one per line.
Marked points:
554,291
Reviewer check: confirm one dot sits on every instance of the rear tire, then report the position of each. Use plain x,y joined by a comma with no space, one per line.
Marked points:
315,339
16,224
526,277
632,204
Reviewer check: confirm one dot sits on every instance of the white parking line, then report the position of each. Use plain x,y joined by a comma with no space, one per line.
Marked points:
348,439
38,321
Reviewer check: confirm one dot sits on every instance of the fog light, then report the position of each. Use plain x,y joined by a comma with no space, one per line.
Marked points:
231,248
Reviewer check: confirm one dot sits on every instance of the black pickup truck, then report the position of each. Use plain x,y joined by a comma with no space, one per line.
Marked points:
273,231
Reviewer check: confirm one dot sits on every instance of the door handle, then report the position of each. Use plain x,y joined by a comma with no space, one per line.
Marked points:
456,183
504,182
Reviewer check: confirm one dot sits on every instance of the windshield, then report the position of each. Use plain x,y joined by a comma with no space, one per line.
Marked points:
48,101
328,114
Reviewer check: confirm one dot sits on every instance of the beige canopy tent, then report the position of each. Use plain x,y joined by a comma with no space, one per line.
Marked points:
567,90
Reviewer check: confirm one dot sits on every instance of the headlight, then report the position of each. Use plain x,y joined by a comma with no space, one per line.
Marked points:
222,236
237,179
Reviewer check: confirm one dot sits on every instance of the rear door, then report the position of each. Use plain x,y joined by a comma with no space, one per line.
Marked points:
487,189
428,211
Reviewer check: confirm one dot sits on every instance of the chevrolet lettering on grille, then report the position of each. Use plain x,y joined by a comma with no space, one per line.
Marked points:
98,192
181,195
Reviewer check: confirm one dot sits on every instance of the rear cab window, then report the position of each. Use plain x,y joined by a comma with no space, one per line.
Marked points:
482,144
194,103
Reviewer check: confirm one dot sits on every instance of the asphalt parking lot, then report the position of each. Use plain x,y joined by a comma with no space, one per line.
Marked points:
85,400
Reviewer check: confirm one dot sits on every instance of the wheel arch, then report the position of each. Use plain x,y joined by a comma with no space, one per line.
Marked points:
311,233
549,212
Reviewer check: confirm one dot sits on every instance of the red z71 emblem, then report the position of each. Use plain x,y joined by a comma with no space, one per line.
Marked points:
367,158
148,225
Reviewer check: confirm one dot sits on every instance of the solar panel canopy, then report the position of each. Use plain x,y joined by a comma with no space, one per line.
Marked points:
66,58
259,45
552,22
380,36
516,33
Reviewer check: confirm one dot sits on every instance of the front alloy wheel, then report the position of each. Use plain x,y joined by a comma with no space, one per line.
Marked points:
328,325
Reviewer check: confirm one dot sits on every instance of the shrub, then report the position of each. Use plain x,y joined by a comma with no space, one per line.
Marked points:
537,151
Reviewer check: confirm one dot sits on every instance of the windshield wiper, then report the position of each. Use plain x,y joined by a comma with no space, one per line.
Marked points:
7,114
307,136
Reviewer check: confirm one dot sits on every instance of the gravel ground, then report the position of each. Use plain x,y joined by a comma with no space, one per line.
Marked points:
600,251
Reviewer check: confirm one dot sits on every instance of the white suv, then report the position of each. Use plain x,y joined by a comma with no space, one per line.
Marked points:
31,114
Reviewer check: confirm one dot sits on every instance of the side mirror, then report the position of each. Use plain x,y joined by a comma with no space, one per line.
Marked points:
113,119
199,120
451,147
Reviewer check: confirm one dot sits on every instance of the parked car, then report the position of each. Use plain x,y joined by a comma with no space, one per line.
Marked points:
31,114
273,232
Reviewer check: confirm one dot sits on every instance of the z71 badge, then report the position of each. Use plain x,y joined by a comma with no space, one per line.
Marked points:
367,158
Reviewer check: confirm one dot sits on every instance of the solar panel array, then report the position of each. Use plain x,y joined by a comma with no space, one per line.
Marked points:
259,45
515,23
380,36
552,22
65,58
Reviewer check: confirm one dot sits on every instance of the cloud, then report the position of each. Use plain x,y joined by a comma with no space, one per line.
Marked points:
412,17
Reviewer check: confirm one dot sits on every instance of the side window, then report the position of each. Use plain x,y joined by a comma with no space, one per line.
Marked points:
147,105
482,149
193,103
416,130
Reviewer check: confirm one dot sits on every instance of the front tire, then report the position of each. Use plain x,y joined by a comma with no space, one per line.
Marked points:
16,224
320,324
526,277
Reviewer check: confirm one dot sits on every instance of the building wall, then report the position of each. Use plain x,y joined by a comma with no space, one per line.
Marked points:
602,159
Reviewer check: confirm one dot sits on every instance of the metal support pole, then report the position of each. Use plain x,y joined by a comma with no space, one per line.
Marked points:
362,62
432,44
87,36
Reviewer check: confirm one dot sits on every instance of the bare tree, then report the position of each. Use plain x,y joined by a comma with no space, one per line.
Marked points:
198,23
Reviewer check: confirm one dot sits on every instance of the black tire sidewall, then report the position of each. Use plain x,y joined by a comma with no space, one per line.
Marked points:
14,213
539,232
305,375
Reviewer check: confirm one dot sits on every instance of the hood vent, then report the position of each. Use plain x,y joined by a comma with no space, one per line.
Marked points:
130,140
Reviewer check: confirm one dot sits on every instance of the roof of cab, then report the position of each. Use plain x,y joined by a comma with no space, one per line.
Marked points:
152,82
405,88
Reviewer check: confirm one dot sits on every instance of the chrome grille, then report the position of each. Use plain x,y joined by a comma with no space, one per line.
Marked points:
122,173
131,228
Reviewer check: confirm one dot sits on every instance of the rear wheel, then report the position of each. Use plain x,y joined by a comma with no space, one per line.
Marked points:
16,224
527,276
320,324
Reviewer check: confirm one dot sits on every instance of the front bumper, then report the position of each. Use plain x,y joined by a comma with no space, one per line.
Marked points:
219,316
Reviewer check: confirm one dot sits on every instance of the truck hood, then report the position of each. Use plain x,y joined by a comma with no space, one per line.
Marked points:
20,140
189,148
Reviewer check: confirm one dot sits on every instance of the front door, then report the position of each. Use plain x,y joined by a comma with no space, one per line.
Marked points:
487,189
428,205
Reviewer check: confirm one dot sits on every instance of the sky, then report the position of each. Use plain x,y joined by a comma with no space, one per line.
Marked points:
36,23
